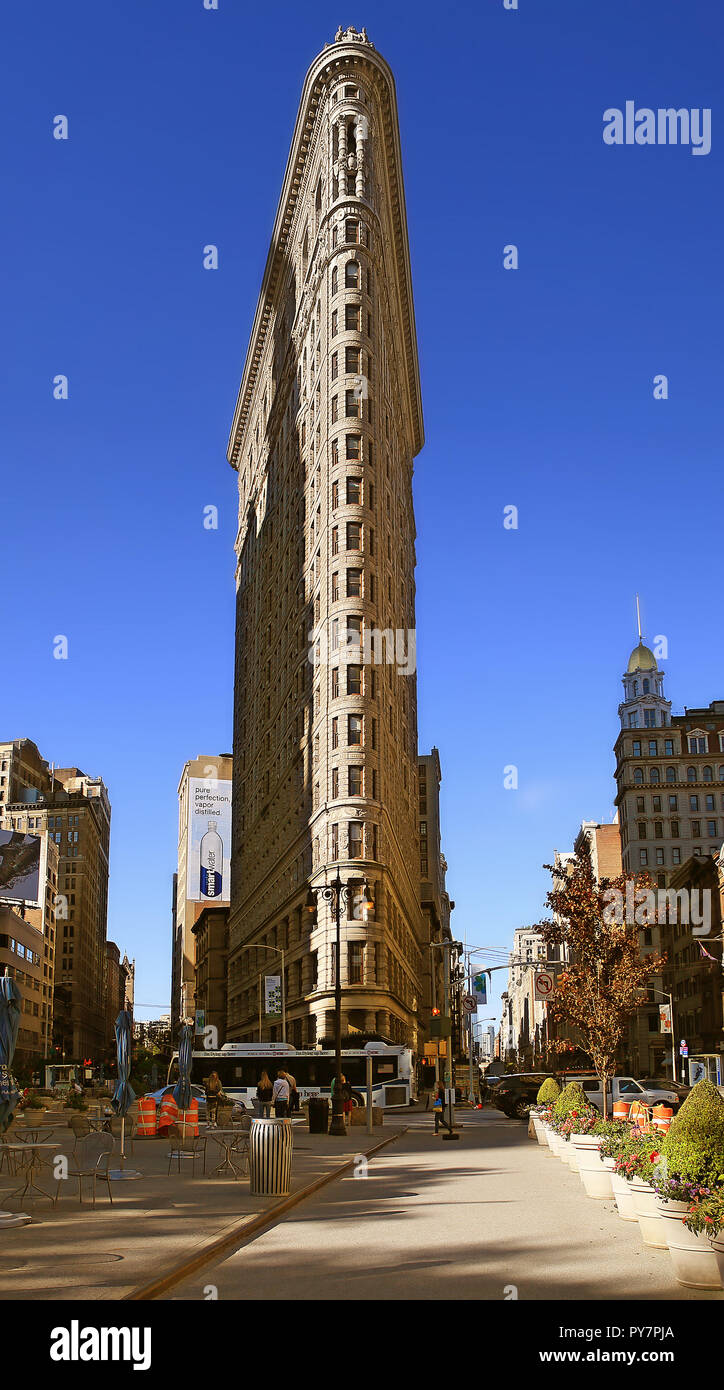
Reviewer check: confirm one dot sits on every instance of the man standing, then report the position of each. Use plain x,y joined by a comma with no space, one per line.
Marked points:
293,1094
280,1095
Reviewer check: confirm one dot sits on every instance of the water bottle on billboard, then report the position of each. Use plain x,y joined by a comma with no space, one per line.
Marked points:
211,860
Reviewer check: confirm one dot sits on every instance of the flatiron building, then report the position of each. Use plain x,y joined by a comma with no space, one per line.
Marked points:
327,424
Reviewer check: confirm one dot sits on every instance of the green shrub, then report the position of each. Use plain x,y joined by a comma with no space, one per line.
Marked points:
549,1092
694,1145
76,1102
571,1098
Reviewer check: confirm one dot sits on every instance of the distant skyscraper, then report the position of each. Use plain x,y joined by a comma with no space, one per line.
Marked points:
327,424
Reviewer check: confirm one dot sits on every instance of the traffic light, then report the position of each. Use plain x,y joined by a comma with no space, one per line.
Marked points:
436,1013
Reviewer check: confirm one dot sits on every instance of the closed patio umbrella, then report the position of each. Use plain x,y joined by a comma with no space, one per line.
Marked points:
182,1089
124,1094
10,998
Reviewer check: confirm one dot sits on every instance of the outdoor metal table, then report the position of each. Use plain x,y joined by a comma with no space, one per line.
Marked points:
35,1161
33,1131
228,1140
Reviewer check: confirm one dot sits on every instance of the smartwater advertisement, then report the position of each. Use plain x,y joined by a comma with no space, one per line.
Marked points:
209,841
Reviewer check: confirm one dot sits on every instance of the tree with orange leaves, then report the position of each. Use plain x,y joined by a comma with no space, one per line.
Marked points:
599,988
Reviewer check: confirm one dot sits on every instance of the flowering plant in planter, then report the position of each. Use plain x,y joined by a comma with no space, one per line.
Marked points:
636,1159
583,1124
673,1188
614,1135
707,1216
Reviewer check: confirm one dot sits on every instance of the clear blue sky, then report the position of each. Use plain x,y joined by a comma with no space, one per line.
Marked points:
537,392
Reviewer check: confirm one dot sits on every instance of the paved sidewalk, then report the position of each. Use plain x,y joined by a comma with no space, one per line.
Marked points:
74,1252
490,1217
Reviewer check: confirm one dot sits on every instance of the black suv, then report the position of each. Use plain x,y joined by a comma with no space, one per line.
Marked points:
514,1094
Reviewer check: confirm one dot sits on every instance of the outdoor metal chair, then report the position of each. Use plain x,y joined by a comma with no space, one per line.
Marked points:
80,1128
8,1158
90,1160
191,1146
223,1116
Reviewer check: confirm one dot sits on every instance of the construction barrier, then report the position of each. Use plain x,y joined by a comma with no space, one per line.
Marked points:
663,1115
188,1120
169,1112
621,1109
146,1120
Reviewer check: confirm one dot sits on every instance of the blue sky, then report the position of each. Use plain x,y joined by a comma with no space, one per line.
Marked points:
537,392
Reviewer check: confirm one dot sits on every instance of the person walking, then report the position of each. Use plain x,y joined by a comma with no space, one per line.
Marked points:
293,1094
438,1108
345,1092
281,1095
264,1093
213,1095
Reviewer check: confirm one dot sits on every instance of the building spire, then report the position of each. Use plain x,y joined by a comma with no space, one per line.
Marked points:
638,616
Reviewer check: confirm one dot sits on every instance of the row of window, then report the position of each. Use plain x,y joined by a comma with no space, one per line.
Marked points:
352,277
355,782
650,720
354,450
353,320
704,774
673,803
660,856
353,493
658,827
355,840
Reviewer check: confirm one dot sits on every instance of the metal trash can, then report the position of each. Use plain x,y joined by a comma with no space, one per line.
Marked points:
270,1157
318,1115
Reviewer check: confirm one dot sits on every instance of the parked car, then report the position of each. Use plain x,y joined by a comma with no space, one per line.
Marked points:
622,1088
660,1088
197,1091
514,1093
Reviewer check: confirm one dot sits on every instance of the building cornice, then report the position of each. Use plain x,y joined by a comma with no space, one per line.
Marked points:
356,58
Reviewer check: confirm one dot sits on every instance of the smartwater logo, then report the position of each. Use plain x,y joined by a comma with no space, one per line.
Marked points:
76,1343
665,126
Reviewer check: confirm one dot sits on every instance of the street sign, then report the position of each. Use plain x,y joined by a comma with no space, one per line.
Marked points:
543,985
470,1004
683,1048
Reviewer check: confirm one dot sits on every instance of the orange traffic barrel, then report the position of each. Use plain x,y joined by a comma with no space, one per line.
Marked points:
621,1109
169,1112
639,1115
663,1115
188,1120
146,1121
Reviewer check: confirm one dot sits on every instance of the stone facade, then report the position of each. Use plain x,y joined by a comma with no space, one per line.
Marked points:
327,424
670,800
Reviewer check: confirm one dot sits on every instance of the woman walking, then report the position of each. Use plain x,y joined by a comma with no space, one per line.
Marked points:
264,1092
213,1094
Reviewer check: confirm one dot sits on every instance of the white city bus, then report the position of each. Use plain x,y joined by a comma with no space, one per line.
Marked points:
240,1065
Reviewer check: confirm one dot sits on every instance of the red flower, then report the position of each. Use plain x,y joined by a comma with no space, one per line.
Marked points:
653,1157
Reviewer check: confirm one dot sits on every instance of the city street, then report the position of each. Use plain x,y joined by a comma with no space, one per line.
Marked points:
436,1220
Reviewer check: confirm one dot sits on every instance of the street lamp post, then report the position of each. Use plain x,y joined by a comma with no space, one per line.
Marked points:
335,893
670,998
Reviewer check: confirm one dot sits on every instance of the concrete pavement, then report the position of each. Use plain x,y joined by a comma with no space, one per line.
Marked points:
74,1252
493,1216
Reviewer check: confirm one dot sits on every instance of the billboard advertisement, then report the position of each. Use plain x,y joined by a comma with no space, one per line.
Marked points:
20,856
208,848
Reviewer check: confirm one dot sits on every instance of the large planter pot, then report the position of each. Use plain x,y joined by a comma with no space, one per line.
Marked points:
695,1262
595,1177
544,1134
622,1192
717,1246
554,1143
651,1225
571,1155
538,1127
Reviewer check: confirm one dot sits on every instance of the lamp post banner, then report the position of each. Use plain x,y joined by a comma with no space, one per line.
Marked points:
273,996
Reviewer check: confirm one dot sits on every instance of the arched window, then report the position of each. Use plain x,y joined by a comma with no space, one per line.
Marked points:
335,279
691,774
721,773
655,776
638,776
635,689
708,774
646,687
671,774
351,275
